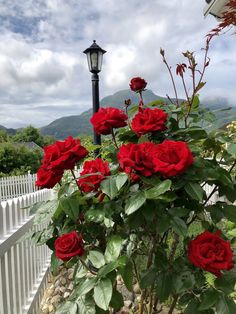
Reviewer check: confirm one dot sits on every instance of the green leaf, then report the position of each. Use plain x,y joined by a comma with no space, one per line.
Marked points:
229,212
96,258
232,150
103,293
163,223
192,307
158,190
95,215
106,269
148,278
109,187
164,285
117,301
226,282
67,308
45,212
179,226
55,264
85,286
70,206
209,298
134,202
113,248
86,305
183,281
121,179
194,190
79,272
225,305
34,208
126,272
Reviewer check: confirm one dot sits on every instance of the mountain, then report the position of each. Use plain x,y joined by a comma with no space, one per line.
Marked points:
79,124
9,131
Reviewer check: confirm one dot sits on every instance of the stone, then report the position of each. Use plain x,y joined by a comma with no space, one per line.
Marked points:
56,300
71,286
62,289
128,303
45,309
66,294
136,289
50,308
70,276
63,281
57,283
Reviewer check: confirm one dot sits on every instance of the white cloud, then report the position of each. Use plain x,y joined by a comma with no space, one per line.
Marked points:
43,72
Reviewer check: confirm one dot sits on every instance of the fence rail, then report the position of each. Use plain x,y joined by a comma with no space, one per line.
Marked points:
15,186
23,266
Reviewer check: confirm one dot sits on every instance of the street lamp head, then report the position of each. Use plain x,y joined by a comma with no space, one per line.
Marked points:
94,56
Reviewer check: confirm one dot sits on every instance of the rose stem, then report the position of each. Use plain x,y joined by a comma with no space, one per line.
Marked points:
86,266
73,174
114,138
173,304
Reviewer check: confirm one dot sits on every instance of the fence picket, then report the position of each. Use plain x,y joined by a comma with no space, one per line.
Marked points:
15,186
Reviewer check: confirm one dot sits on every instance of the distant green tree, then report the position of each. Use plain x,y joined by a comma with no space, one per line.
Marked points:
4,136
18,159
29,134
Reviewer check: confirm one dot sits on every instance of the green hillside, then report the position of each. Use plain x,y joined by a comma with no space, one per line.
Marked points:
79,124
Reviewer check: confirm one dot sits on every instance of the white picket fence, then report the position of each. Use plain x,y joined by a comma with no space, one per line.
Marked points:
23,266
14,186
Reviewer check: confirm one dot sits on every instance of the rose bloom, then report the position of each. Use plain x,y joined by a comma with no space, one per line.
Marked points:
69,245
172,158
137,84
92,182
47,178
107,119
211,253
137,158
63,155
148,120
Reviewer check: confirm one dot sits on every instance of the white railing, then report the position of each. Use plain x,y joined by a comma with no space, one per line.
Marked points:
15,186
23,266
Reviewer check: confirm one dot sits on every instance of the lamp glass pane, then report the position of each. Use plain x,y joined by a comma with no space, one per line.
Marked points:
100,55
94,60
89,61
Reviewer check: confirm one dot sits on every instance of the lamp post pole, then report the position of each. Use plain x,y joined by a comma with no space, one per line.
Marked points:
95,93
94,56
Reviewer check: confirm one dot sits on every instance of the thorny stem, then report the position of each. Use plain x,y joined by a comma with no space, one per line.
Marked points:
114,138
149,263
73,174
173,82
173,304
86,266
174,247
136,272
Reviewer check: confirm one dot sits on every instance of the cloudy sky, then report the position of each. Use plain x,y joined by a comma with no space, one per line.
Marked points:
44,74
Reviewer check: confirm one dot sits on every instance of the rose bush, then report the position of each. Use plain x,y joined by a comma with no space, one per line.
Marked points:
144,206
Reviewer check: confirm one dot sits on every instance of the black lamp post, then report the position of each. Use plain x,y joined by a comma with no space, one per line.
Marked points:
94,55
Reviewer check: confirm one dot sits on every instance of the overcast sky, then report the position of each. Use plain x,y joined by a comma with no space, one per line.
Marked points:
44,74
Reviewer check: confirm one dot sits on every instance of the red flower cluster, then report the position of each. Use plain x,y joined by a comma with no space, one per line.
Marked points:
92,182
60,156
211,253
172,158
169,158
137,84
69,245
148,120
107,119
137,158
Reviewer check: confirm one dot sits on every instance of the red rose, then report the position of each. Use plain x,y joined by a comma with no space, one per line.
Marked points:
172,158
92,182
211,253
63,155
148,120
137,158
47,178
69,245
107,119
137,84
